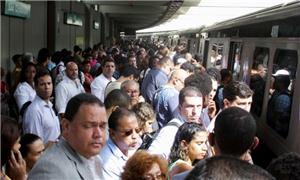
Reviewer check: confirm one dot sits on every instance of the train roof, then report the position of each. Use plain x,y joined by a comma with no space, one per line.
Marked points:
281,11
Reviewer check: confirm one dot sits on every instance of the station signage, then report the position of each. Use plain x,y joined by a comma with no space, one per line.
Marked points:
17,9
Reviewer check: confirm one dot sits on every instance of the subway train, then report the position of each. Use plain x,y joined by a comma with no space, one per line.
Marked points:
263,43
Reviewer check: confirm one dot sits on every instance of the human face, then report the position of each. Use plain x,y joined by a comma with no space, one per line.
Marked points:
35,151
244,103
191,108
132,61
132,90
87,68
126,134
44,87
148,126
214,89
197,148
153,174
30,73
86,133
72,71
109,69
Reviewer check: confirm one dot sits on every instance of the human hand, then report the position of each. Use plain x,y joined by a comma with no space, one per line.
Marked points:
212,109
17,166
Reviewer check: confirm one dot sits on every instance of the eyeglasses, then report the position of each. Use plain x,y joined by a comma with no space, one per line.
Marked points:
130,132
153,176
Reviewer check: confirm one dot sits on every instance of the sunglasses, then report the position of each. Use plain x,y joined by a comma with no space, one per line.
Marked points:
130,132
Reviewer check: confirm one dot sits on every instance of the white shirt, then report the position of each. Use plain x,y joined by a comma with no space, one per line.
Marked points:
24,93
163,142
41,120
211,125
98,86
64,91
94,164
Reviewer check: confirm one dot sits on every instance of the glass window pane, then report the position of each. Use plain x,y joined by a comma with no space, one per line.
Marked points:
280,102
258,78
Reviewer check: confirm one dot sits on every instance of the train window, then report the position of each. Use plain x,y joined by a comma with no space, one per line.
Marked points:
216,55
282,87
258,78
234,59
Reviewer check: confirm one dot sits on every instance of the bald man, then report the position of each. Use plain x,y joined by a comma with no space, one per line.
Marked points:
67,88
165,100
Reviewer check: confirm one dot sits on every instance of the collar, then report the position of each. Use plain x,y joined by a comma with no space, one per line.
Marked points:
43,102
67,79
115,150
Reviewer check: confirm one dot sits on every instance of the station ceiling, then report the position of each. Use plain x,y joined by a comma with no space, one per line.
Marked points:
137,14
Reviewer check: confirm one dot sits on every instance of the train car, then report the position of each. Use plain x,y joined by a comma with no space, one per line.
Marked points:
256,48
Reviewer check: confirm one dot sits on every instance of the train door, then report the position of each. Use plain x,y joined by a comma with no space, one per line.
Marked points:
234,59
282,90
258,79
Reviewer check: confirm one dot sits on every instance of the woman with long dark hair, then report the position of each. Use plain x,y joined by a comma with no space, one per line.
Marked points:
13,165
25,90
188,147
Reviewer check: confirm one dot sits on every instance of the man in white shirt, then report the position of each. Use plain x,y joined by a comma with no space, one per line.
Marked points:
189,110
67,88
39,118
100,82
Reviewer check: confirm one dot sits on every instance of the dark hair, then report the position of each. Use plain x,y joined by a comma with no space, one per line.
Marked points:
41,72
234,131
117,97
43,54
16,57
26,140
236,88
189,91
185,132
130,70
286,166
225,73
227,167
106,60
187,66
78,100
57,57
10,132
201,81
76,48
140,163
24,69
215,73
116,115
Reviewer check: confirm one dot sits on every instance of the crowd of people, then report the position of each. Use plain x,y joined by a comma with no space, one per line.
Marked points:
130,111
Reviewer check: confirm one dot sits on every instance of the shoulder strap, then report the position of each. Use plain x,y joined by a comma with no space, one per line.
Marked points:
24,107
173,123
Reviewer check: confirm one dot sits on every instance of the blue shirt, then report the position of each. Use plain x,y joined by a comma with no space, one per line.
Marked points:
154,79
113,160
165,102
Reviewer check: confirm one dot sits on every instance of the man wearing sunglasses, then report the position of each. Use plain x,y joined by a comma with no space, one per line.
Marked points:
189,110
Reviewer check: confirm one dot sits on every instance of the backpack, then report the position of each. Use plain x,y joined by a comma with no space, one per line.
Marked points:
24,108
148,138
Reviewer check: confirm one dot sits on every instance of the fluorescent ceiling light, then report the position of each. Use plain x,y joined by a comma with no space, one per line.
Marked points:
209,12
